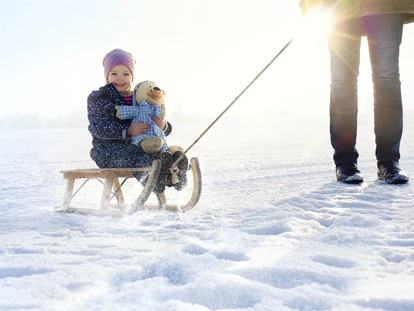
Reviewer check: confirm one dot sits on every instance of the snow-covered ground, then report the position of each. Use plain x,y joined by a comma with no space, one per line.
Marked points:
273,229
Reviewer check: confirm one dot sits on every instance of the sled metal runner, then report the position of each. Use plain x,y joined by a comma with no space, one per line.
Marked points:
112,188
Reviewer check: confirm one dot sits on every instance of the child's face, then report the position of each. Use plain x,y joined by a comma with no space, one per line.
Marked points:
121,78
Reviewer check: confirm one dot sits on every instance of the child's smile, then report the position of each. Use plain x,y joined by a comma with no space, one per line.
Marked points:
121,78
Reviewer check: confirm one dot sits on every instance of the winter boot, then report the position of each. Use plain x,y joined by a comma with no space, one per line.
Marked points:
166,161
348,173
181,175
391,173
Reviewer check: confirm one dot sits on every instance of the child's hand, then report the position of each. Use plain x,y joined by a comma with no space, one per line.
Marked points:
138,128
160,123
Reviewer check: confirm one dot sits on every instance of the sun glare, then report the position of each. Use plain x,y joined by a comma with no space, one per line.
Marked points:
317,24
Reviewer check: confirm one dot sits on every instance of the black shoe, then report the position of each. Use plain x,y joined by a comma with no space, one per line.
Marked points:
166,161
348,173
182,167
391,173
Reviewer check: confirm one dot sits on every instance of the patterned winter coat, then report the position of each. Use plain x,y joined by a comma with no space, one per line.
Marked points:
111,143
350,9
142,112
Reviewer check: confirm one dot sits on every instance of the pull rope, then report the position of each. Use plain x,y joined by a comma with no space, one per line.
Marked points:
229,106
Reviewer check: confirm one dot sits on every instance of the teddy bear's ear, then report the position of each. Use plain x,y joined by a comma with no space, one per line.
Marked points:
139,84
163,92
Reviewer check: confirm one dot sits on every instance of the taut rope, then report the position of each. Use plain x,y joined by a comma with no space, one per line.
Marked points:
228,107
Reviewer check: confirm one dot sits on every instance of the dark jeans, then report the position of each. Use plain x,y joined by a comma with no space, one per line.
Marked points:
119,155
384,34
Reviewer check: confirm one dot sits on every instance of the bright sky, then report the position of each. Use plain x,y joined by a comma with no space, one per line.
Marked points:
201,52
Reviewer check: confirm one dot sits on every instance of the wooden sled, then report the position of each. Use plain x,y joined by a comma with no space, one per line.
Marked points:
112,188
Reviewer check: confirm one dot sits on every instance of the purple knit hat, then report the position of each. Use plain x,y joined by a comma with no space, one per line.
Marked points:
118,57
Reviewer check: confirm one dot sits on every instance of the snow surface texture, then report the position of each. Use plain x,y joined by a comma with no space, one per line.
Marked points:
273,229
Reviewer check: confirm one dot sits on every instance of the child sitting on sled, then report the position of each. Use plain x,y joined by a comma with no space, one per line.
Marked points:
111,137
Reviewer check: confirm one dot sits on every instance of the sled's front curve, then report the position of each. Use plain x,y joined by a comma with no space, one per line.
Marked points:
195,194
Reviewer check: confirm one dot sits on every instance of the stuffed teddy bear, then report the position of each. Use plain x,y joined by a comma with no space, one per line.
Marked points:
148,101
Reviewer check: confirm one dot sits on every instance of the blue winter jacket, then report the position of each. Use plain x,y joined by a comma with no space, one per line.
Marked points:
111,143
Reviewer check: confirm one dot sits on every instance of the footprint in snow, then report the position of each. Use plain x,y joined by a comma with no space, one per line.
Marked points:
332,261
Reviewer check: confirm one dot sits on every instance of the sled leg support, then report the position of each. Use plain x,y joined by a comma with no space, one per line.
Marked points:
112,188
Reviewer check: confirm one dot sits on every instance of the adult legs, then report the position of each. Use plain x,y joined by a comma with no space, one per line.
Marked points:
384,34
344,43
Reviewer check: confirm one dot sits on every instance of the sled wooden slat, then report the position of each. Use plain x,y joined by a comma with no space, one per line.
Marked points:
101,173
112,188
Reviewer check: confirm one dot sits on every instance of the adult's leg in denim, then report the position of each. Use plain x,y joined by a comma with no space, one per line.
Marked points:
344,43
384,34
